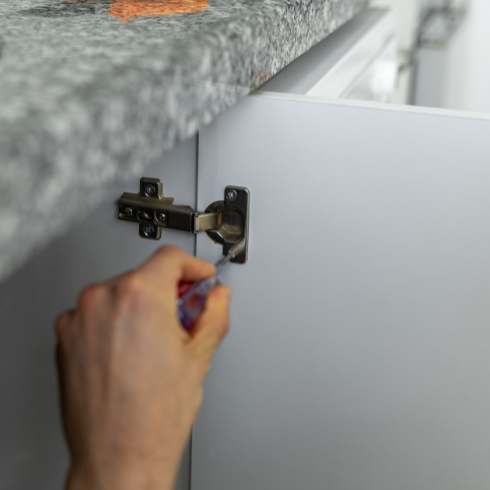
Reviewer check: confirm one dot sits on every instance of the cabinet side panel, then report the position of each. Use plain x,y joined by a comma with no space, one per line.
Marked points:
359,351
32,450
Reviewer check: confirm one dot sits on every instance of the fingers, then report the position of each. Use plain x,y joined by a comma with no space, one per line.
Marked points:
169,265
212,325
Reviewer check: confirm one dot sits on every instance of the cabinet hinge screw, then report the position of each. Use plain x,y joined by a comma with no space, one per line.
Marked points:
129,212
161,218
149,230
231,195
150,190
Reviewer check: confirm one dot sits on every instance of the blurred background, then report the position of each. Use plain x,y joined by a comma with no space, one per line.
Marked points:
444,53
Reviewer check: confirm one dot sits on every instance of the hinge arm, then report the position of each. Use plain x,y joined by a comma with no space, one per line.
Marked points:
206,222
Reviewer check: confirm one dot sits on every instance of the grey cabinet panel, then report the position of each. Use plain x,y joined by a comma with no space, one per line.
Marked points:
32,450
359,350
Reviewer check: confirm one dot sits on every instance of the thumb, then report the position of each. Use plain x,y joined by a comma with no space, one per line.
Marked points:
212,326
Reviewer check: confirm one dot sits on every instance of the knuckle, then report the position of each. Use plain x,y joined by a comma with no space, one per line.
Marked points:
131,289
91,299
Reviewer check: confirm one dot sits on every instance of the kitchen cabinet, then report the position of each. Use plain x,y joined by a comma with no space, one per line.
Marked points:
357,356
32,450
358,352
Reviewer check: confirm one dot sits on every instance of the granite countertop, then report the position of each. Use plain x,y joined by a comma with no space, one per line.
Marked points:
94,91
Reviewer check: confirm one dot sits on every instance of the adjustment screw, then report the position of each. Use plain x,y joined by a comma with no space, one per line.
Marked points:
129,212
231,195
149,230
161,217
150,190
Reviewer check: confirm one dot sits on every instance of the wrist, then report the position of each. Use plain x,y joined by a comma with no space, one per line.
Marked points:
121,478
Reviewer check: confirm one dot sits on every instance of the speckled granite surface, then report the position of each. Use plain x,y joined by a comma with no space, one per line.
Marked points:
94,91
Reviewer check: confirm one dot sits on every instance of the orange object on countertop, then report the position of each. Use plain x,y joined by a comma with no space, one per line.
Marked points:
125,9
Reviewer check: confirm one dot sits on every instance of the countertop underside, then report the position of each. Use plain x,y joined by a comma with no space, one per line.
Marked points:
93,92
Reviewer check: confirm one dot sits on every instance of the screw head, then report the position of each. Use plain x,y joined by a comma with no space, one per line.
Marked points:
149,230
231,194
150,190
129,212
161,217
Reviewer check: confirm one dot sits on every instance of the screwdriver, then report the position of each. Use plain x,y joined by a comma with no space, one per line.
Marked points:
192,296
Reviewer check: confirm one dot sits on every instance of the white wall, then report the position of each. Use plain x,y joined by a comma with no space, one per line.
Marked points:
407,12
468,62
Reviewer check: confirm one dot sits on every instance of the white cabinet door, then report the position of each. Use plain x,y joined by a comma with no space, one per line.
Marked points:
359,350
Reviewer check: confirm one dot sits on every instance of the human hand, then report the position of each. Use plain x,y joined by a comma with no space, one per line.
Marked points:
131,377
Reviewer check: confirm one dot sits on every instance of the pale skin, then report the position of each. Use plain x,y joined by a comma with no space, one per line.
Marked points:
131,377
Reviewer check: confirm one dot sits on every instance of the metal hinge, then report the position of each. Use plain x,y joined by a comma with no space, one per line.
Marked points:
225,222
